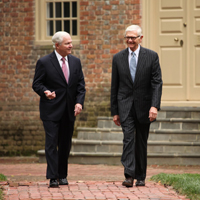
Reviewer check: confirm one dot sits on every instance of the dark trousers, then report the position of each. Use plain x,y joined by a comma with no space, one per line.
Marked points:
57,146
134,156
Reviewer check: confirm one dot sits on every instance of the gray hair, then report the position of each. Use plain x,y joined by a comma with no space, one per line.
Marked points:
134,28
58,37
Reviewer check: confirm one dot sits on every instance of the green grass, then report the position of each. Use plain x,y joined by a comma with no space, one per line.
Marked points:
185,184
2,178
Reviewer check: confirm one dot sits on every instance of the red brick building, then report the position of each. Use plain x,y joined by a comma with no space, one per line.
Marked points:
97,28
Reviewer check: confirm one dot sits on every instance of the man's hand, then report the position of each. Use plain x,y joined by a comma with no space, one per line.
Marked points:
116,120
50,95
153,113
78,109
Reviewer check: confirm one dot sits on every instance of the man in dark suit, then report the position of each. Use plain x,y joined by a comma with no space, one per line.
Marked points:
136,90
59,82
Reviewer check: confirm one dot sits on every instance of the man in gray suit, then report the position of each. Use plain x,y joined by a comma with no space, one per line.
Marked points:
136,90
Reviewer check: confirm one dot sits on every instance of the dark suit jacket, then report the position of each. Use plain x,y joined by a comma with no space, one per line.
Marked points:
146,90
49,76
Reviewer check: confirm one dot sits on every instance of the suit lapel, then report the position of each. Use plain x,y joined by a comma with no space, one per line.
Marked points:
71,68
141,61
125,63
56,64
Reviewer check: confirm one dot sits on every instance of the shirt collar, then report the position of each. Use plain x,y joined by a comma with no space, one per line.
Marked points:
59,57
136,51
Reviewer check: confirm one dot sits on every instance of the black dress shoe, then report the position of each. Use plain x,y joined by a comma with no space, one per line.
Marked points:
140,183
63,181
53,183
128,182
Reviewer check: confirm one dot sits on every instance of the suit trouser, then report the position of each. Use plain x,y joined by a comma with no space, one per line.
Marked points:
57,146
134,156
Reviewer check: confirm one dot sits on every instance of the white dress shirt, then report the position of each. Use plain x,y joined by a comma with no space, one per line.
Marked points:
59,57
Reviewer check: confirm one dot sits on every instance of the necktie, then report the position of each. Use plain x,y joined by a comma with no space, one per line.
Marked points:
133,66
65,69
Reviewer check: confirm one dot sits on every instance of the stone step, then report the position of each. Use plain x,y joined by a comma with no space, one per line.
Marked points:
186,148
176,124
174,139
155,134
161,123
174,135
117,146
166,113
173,159
114,158
96,146
100,133
179,112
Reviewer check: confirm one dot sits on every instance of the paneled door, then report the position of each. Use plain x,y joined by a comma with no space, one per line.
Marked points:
174,33
193,50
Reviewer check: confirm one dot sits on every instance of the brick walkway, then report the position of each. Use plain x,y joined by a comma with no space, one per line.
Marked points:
26,181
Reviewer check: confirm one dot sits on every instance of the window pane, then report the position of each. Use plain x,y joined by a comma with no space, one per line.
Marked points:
74,9
66,9
74,27
58,26
58,9
49,10
49,28
67,26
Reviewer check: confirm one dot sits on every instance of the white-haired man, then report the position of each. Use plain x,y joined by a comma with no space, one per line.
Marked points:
59,82
136,90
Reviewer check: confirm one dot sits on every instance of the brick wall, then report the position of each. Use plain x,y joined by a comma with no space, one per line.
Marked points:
102,35
102,25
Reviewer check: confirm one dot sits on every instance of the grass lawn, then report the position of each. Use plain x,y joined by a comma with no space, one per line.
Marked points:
185,184
2,178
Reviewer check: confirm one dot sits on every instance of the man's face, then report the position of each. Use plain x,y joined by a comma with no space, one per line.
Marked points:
133,39
65,48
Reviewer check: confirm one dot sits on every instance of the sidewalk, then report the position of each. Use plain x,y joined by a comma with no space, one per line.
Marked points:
26,181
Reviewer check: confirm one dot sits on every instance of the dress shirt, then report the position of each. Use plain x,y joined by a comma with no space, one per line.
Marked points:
59,57
136,54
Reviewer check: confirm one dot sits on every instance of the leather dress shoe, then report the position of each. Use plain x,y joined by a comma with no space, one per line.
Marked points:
140,183
53,183
128,182
63,181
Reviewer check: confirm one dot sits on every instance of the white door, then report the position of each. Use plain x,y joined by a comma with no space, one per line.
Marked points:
193,50
173,28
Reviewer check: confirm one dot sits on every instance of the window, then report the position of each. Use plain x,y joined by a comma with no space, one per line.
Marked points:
56,15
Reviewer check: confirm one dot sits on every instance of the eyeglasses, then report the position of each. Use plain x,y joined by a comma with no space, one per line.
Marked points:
132,38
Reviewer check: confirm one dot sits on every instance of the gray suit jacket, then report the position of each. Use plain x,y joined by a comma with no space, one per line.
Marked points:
146,90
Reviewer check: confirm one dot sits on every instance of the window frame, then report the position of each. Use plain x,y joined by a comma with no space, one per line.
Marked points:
41,37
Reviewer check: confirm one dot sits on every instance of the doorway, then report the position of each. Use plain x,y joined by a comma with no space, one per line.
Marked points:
172,29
